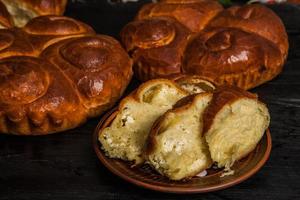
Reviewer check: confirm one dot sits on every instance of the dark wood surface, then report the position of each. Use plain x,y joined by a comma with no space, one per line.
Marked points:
64,165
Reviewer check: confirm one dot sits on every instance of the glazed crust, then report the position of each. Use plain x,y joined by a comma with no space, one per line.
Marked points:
36,98
54,80
156,46
241,46
47,7
38,34
256,19
224,95
43,31
97,65
194,14
15,42
232,56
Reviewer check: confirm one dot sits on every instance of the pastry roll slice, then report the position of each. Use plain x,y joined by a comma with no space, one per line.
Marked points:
126,137
234,123
176,147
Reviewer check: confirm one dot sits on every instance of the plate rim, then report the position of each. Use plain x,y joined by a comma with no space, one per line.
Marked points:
174,189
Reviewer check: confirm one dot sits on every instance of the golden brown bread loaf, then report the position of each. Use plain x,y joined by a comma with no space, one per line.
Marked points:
234,57
125,138
156,45
21,11
255,19
55,73
242,46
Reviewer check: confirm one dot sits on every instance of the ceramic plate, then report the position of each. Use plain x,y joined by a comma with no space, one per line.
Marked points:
145,176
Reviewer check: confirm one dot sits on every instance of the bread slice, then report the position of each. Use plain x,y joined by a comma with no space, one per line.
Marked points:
126,137
234,123
176,147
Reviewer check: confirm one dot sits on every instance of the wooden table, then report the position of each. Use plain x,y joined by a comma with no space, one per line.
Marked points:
64,166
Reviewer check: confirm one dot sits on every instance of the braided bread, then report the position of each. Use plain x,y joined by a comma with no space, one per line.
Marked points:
242,46
55,73
19,12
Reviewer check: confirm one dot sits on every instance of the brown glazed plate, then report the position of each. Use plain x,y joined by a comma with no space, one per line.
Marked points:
145,176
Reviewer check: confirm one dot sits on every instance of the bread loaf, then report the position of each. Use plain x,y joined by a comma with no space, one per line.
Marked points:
234,123
19,12
156,46
55,73
176,147
233,57
241,46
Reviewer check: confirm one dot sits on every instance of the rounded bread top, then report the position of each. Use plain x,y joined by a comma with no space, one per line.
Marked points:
194,14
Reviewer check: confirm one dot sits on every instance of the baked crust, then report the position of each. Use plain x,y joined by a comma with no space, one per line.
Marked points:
194,14
233,57
256,19
55,73
231,47
40,33
36,98
98,67
156,46
43,31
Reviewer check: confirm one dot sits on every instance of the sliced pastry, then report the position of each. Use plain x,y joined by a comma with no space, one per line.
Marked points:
126,136
234,123
176,147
